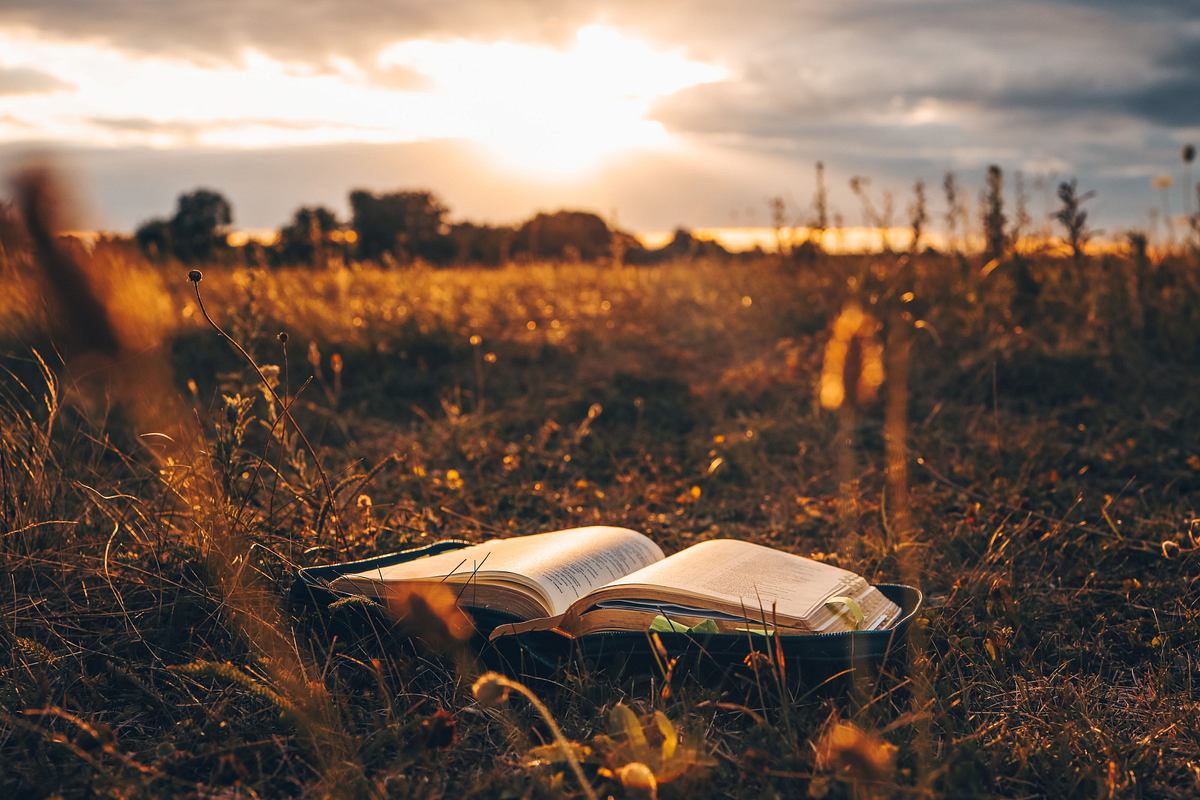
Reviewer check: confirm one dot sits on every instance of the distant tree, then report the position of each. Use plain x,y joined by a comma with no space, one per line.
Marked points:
625,248
1072,216
195,233
307,239
992,203
200,225
684,245
564,235
406,225
481,244
154,238
918,215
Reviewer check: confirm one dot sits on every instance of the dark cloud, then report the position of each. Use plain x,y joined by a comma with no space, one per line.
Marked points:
22,80
871,62
914,87
1172,9
1174,99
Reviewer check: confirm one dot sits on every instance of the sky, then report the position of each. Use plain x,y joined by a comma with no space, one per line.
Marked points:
653,114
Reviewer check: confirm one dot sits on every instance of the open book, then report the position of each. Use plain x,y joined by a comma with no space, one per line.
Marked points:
585,580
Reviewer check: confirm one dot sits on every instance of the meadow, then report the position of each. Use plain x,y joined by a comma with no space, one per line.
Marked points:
1029,460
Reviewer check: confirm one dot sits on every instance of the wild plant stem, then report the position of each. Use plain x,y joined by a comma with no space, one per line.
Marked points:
563,743
287,412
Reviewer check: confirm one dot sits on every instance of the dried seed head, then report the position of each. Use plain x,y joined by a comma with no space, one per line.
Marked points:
282,337
431,613
195,275
638,780
490,690
846,746
1189,153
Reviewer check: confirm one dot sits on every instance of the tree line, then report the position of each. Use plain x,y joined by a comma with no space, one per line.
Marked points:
409,226
398,228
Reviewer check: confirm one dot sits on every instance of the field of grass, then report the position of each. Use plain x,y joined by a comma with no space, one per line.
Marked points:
1031,460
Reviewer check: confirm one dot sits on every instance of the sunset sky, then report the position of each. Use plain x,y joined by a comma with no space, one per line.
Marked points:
662,113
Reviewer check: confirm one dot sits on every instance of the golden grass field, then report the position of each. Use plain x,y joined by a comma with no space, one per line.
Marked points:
1030,460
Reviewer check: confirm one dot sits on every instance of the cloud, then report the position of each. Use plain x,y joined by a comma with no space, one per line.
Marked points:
895,89
131,184
911,88
195,133
191,128
1174,99
221,30
809,57
23,80
394,76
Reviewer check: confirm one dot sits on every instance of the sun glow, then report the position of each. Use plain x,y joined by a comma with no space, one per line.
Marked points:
554,110
537,108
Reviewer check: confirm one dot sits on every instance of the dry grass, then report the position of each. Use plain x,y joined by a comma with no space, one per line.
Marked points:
154,507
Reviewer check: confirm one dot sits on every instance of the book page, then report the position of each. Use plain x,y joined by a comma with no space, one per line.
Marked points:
562,565
740,574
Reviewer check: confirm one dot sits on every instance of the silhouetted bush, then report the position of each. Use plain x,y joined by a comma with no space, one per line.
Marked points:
482,244
195,233
564,235
309,238
405,225
684,245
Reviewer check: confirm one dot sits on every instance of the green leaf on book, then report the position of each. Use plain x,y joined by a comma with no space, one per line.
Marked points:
758,631
851,605
661,624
